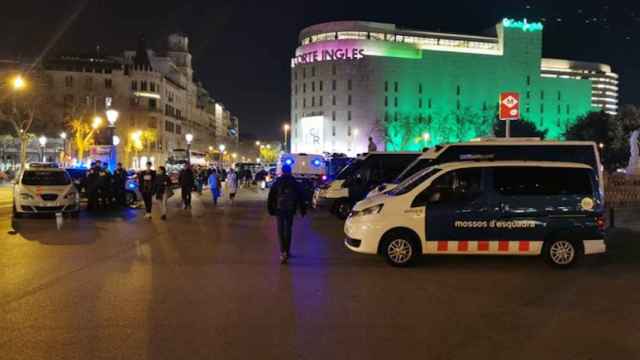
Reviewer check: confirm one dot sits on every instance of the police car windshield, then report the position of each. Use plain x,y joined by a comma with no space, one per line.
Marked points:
413,181
45,178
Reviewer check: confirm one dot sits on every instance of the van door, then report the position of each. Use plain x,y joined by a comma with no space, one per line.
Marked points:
456,211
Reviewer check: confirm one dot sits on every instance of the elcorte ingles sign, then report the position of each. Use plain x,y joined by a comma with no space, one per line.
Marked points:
347,53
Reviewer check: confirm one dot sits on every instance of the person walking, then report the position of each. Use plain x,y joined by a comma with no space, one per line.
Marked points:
146,179
232,184
286,197
372,145
119,182
186,181
215,186
162,187
104,186
93,185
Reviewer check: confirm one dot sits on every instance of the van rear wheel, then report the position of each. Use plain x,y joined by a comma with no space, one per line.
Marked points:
400,249
561,253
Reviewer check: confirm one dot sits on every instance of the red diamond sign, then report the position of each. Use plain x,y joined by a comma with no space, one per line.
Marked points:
509,106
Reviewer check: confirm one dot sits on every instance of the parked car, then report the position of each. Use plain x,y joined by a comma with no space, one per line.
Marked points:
45,190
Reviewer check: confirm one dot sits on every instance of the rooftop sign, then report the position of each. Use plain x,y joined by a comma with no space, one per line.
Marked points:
523,25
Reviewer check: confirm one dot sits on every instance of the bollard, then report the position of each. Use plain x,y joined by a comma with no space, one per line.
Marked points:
612,217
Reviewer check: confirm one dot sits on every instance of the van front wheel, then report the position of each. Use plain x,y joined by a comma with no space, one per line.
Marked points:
400,250
561,253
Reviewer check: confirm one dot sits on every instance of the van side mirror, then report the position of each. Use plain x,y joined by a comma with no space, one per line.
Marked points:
435,197
382,188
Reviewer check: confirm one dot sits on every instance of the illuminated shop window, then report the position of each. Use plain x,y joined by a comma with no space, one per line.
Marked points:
353,35
376,36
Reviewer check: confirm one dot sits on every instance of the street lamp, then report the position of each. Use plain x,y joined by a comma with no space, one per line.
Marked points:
97,122
43,143
210,148
112,117
426,137
257,143
286,128
18,83
189,138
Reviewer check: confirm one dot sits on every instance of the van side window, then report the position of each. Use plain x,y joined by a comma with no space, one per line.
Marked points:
463,185
537,181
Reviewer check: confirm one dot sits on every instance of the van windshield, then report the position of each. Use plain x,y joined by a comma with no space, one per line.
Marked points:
349,169
413,181
45,178
413,168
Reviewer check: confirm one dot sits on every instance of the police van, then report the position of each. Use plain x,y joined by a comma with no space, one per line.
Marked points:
365,173
530,149
552,209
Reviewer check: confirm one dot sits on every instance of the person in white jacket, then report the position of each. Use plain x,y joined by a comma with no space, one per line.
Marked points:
232,184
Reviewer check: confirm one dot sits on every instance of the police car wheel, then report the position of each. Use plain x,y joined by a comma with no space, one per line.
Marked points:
400,250
561,253
343,209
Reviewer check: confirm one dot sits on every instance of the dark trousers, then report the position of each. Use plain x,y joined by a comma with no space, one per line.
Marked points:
92,203
285,225
186,196
147,197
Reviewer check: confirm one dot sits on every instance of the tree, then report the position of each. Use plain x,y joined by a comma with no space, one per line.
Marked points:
269,154
519,128
21,100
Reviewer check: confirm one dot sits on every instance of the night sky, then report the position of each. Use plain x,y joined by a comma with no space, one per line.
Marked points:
242,48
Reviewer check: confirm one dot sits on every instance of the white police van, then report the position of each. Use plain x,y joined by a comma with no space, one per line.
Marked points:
529,149
552,209
45,188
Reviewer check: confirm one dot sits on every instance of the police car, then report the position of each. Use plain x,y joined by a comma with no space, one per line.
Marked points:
45,188
552,209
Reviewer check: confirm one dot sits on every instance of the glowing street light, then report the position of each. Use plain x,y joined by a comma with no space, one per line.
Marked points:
63,135
18,83
189,138
112,117
222,147
210,148
97,122
426,137
286,129
257,143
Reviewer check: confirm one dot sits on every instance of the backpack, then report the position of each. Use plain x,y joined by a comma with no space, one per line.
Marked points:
287,199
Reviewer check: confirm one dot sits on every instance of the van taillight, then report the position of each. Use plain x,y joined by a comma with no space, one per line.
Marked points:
600,223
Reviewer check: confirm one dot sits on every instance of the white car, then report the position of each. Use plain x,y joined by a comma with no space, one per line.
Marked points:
45,190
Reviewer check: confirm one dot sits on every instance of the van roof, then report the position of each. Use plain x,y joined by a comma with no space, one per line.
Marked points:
363,155
431,152
474,164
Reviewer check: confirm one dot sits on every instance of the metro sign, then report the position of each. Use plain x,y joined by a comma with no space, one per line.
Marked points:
509,106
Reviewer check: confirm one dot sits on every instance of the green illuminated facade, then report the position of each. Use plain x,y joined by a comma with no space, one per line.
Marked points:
408,88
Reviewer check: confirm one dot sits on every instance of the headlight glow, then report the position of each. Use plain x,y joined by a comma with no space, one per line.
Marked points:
376,209
25,196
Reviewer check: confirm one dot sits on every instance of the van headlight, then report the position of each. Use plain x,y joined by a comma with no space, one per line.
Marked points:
25,196
368,211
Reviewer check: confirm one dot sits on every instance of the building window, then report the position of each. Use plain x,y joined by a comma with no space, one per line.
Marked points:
313,71
178,129
313,86
88,83
541,108
528,94
333,115
168,126
528,80
386,86
68,100
395,116
568,109
386,101
295,103
320,100
349,115
484,106
429,118
395,101
542,95
458,90
458,104
295,75
333,130
395,86
153,104
559,109
304,73
333,85
143,85
419,88
333,69
349,84
420,103
304,103
386,116
304,88
333,100
108,84
313,101
348,130
321,85
349,100
429,103
559,96
295,91
68,81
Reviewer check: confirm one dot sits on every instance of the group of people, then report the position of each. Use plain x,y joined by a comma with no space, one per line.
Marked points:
159,184
104,189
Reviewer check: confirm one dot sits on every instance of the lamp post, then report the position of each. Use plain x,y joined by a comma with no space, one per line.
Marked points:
189,138
43,143
222,147
63,136
286,129
112,117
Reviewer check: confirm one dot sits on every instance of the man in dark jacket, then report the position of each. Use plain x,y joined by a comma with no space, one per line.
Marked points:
187,181
104,184
146,182
119,182
93,185
286,197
